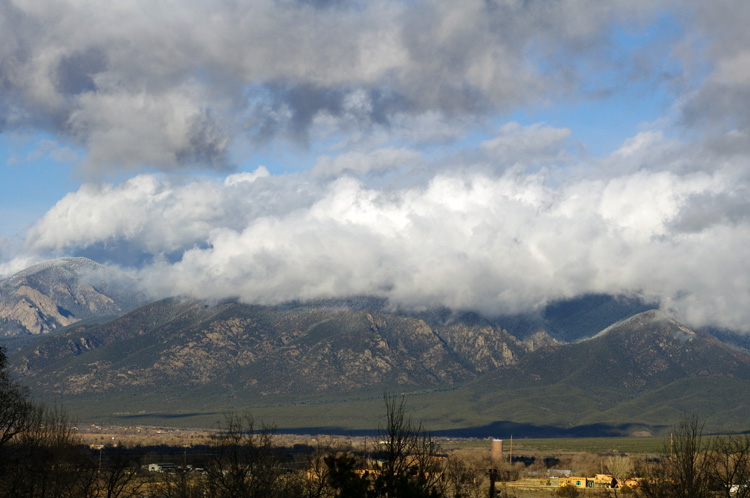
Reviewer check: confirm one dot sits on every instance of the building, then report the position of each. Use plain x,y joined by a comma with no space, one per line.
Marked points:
598,481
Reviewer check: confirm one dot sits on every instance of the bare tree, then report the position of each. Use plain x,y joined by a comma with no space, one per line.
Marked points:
181,484
685,467
730,465
619,466
586,463
317,482
412,464
42,460
119,474
407,462
38,451
14,407
41,455
244,463
466,473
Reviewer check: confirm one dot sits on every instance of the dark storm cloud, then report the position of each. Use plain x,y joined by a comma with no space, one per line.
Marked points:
75,72
206,143
141,84
718,106
290,109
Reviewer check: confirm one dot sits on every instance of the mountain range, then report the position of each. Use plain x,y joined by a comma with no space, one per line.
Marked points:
597,365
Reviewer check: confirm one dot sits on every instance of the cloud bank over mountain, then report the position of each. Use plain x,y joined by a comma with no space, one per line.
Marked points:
422,182
469,237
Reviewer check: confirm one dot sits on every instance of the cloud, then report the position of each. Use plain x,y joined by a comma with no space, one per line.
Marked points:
15,264
410,199
361,163
52,150
495,240
718,103
129,132
156,217
537,145
148,85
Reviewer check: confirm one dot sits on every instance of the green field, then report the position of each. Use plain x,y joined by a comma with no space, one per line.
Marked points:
445,413
647,445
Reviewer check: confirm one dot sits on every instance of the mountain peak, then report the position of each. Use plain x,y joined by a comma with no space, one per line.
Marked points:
67,265
60,292
647,321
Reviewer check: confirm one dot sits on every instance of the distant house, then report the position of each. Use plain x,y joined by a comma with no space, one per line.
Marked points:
162,467
598,481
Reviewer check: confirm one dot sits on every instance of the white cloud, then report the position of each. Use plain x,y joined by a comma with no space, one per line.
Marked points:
16,264
240,178
467,238
155,217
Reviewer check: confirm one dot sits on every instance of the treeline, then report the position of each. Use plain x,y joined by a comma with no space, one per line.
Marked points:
691,465
695,466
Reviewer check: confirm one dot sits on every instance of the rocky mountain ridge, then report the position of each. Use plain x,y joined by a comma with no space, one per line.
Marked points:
183,355
182,358
58,293
312,349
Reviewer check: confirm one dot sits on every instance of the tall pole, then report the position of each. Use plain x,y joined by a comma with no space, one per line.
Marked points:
510,455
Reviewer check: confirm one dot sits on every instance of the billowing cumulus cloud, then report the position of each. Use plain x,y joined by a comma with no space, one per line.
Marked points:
468,238
160,218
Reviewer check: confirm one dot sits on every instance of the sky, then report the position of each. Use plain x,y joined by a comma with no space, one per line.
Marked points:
480,155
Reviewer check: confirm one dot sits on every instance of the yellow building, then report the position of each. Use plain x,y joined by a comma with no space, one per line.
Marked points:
598,481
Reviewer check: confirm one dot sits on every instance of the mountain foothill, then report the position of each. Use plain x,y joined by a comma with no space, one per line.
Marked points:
78,334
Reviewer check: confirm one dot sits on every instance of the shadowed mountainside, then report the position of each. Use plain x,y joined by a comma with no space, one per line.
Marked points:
234,348
299,362
647,369
331,360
